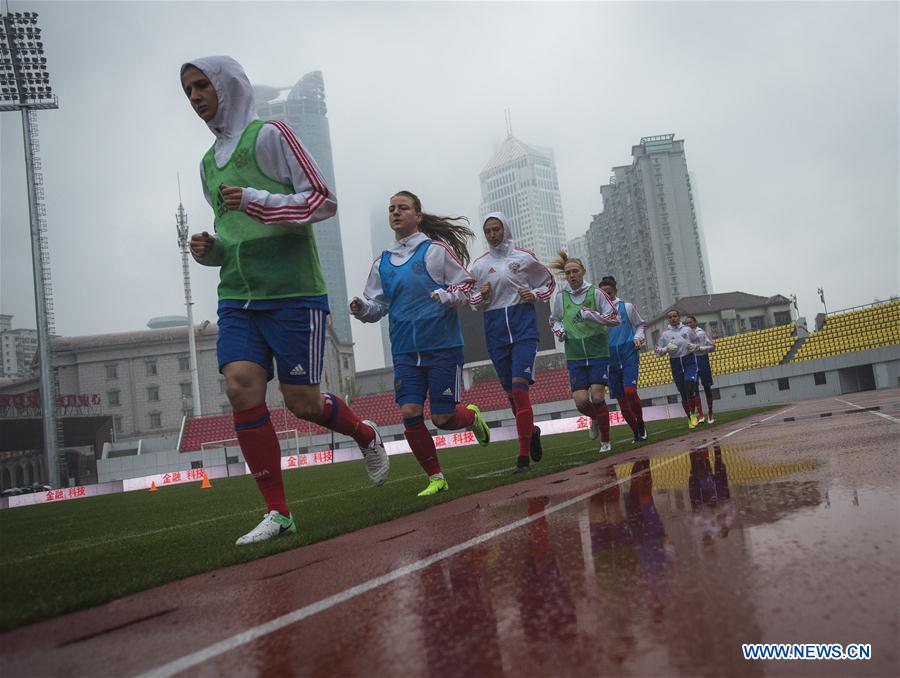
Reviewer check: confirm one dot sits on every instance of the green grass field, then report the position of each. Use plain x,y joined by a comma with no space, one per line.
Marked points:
57,558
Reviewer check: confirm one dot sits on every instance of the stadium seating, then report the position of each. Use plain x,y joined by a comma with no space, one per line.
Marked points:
737,353
855,330
752,350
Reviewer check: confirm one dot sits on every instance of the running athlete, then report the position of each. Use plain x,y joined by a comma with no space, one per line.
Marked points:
266,192
510,281
418,282
579,316
704,369
680,342
624,360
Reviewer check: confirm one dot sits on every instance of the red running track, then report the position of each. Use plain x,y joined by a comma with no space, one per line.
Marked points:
661,561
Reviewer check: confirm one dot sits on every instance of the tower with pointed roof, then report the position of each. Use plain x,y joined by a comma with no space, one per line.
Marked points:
520,181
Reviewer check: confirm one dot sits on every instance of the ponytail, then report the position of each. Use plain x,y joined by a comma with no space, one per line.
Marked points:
561,259
452,231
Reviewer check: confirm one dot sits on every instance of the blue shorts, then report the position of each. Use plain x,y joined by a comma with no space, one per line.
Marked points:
295,337
583,373
515,360
626,375
704,371
683,369
436,375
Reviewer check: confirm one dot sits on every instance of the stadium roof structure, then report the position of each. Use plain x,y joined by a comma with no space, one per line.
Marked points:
96,341
15,385
714,303
167,321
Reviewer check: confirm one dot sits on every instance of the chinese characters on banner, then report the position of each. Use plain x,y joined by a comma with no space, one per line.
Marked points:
181,476
307,459
584,423
29,404
457,439
68,493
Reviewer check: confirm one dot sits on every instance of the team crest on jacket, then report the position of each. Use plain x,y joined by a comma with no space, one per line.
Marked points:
514,267
241,158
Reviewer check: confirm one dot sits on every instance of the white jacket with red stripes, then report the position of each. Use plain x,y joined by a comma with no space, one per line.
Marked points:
279,153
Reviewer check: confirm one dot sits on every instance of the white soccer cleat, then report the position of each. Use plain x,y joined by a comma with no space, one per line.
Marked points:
605,447
273,525
594,430
377,463
710,419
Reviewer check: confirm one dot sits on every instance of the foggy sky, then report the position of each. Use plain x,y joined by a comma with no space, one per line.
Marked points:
789,114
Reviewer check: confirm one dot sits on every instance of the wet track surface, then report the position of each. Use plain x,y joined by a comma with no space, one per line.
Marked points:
662,561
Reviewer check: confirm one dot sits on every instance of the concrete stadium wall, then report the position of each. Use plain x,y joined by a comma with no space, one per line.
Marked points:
885,364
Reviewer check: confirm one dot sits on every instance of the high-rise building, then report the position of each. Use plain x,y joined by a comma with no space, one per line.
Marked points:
520,181
303,108
17,349
647,235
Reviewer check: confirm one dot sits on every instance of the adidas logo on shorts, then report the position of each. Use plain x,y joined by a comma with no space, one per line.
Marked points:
298,371
527,370
448,392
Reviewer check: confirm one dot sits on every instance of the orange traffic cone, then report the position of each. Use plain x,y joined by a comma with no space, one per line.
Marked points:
153,486
205,485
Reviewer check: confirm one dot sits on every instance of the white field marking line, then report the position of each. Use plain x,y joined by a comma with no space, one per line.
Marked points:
248,636
225,516
183,526
633,449
188,661
620,440
510,469
877,414
503,471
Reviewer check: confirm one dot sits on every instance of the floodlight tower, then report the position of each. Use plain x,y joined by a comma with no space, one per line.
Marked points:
181,226
25,87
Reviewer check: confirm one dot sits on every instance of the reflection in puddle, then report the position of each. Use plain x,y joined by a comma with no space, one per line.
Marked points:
650,574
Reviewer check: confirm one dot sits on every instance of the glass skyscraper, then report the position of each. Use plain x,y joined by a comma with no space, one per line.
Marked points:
303,108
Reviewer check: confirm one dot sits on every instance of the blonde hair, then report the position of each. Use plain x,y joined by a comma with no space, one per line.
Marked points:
561,259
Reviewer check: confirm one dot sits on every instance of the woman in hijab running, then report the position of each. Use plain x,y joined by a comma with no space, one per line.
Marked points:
510,281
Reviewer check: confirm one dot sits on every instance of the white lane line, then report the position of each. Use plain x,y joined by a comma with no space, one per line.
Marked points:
80,546
256,632
877,414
